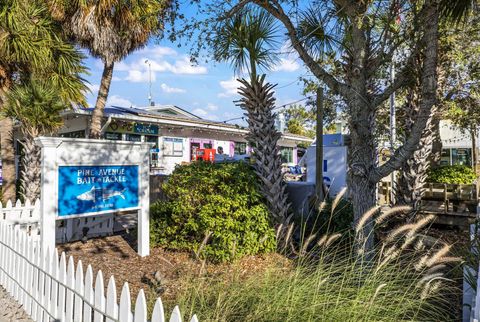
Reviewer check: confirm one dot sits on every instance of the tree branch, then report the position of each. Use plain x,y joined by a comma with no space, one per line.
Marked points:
337,87
429,41
236,8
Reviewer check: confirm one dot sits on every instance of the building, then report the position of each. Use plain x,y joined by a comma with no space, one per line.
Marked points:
174,133
456,145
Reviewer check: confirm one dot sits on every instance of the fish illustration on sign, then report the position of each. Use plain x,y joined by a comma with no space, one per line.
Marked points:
105,194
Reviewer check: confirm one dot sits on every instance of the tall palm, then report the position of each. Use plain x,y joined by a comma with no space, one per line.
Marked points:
246,40
110,30
30,42
37,106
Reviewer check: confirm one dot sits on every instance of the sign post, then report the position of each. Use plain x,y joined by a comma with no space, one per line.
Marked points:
83,177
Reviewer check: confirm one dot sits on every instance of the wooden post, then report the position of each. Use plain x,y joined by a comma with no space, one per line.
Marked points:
319,193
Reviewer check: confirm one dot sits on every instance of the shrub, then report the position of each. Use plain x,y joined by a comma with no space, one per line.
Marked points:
454,174
215,210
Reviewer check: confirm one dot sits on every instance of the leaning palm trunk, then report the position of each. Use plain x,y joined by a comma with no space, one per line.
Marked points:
97,115
8,160
258,101
30,173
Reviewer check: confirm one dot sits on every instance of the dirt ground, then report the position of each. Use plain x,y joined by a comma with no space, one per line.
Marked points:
163,271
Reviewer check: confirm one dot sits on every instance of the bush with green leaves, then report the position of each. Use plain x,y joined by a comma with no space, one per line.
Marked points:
453,174
215,210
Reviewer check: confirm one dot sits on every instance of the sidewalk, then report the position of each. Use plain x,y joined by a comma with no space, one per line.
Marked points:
10,310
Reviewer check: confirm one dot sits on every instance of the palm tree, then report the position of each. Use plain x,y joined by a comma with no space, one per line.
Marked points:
246,40
110,30
37,106
30,42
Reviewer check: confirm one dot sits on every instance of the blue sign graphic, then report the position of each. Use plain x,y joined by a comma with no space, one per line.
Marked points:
86,189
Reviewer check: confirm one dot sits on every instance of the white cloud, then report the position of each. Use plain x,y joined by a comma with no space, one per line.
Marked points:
287,65
184,66
158,51
200,112
93,88
288,60
118,101
139,76
230,87
205,114
168,89
155,59
212,107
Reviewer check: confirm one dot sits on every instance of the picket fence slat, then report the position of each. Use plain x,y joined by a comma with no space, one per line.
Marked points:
71,286
158,314
87,309
176,316
48,285
125,309
62,275
51,288
99,298
54,291
194,318
140,314
112,306
79,292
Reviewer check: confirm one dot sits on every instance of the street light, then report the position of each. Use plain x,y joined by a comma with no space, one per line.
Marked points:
149,81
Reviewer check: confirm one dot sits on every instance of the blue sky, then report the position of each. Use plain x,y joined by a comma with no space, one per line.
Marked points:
207,89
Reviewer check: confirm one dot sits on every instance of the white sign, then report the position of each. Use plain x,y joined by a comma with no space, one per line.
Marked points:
334,167
84,177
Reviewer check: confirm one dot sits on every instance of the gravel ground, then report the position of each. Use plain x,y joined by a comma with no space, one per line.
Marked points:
10,310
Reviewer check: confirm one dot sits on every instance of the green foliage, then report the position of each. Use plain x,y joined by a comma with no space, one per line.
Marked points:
214,210
247,40
333,217
455,174
32,44
37,105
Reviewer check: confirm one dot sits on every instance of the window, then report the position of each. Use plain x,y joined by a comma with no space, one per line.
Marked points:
240,148
445,157
76,134
207,145
113,136
462,156
453,156
134,137
152,139
172,147
286,154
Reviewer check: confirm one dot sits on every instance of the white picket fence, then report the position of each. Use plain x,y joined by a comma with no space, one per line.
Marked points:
52,288
26,216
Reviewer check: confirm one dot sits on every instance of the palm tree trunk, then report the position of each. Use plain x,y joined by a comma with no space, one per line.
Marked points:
8,160
258,101
97,116
30,174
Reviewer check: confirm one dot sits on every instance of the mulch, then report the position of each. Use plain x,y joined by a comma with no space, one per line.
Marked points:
116,255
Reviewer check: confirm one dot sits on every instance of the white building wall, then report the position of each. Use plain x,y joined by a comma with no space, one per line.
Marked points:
224,144
452,136
167,163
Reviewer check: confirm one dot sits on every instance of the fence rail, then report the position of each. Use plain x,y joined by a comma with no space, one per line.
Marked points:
52,288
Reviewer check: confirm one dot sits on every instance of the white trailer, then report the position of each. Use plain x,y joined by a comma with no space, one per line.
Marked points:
334,163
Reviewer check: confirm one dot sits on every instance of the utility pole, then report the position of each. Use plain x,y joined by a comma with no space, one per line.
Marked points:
319,193
393,130
149,82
